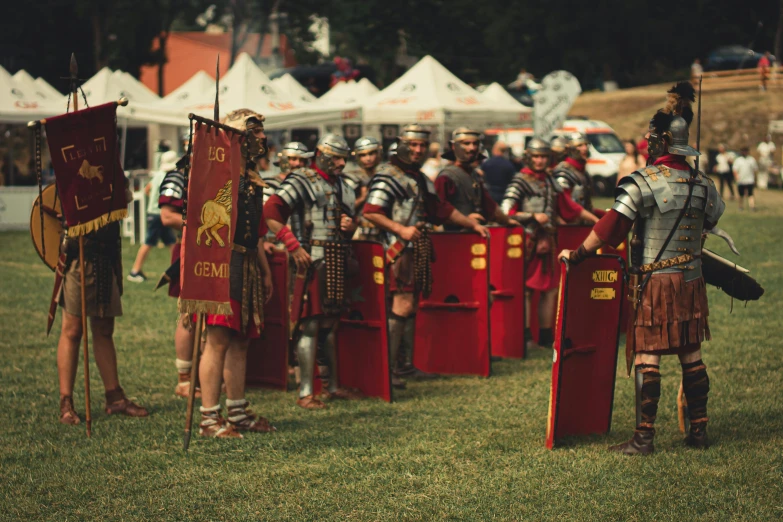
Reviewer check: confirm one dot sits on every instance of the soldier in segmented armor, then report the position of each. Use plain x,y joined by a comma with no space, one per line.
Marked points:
461,185
367,154
171,200
250,279
321,250
402,202
669,205
571,173
536,200
293,156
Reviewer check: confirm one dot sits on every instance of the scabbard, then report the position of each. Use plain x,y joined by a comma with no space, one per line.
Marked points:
171,274
59,275
395,250
630,334
303,275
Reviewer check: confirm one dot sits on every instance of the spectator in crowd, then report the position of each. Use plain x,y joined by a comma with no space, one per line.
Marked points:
433,164
766,150
696,71
745,169
156,231
764,65
498,171
722,169
631,162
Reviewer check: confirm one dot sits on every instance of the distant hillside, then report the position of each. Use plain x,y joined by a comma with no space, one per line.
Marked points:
734,118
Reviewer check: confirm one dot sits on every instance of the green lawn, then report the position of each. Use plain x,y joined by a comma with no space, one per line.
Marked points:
453,449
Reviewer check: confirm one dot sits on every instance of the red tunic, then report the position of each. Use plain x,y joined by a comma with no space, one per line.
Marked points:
543,272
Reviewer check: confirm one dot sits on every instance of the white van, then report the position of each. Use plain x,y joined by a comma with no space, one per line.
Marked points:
606,149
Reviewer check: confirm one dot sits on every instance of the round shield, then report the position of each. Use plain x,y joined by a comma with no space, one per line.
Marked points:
46,237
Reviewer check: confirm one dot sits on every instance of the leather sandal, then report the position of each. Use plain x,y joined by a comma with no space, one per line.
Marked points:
309,402
183,390
640,444
126,407
67,414
218,430
347,394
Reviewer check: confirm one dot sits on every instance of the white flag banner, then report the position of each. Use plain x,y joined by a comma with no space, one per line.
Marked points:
552,102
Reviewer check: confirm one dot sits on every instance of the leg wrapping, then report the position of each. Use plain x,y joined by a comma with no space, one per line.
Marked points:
696,386
649,396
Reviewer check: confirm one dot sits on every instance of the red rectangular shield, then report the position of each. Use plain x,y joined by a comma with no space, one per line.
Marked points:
267,357
362,338
571,236
213,186
452,324
587,335
507,285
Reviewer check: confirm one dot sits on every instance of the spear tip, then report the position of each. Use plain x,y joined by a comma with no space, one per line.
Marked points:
74,67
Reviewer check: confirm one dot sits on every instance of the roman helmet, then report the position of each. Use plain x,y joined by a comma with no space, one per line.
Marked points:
559,146
392,150
367,144
457,151
411,132
669,127
536,146
292,149
247,121
573,141
331,146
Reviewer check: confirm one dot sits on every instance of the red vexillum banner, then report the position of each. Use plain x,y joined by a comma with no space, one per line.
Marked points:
211,218
87,170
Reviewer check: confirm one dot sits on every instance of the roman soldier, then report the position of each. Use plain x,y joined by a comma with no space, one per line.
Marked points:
669,205
537,201
461,185
403,203
320,248
293,156
103,291
250,280
367,154
571,173
558,146
171,201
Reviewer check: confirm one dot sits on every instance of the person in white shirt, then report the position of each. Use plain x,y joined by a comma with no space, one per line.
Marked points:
766,150
745,169
723,170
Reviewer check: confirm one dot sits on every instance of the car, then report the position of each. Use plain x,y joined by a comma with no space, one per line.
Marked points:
732,57
606,148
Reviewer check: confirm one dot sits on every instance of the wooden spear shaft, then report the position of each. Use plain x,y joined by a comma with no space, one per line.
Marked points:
88,414
193,379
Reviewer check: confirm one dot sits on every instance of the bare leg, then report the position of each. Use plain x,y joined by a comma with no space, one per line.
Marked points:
68,352
105,353
140,258
211,365
546,308
235,368
752,202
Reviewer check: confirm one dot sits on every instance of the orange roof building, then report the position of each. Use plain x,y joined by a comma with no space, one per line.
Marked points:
190,52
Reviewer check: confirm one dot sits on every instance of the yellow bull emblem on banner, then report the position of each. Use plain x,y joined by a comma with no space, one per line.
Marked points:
216,214
89,172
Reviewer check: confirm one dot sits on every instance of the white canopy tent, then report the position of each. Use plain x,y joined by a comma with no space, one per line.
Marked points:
22,101
194,88
143,105
293,89
349,93
246,86
46,88
430,94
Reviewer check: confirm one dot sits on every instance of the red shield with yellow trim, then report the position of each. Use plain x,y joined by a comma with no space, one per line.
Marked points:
362,338
267,357
507,286
452,324
587,334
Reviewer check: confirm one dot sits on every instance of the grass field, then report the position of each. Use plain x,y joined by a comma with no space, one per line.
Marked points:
452,449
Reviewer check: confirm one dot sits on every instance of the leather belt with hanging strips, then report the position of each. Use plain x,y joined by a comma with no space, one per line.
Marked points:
666,263
252,301
335,261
